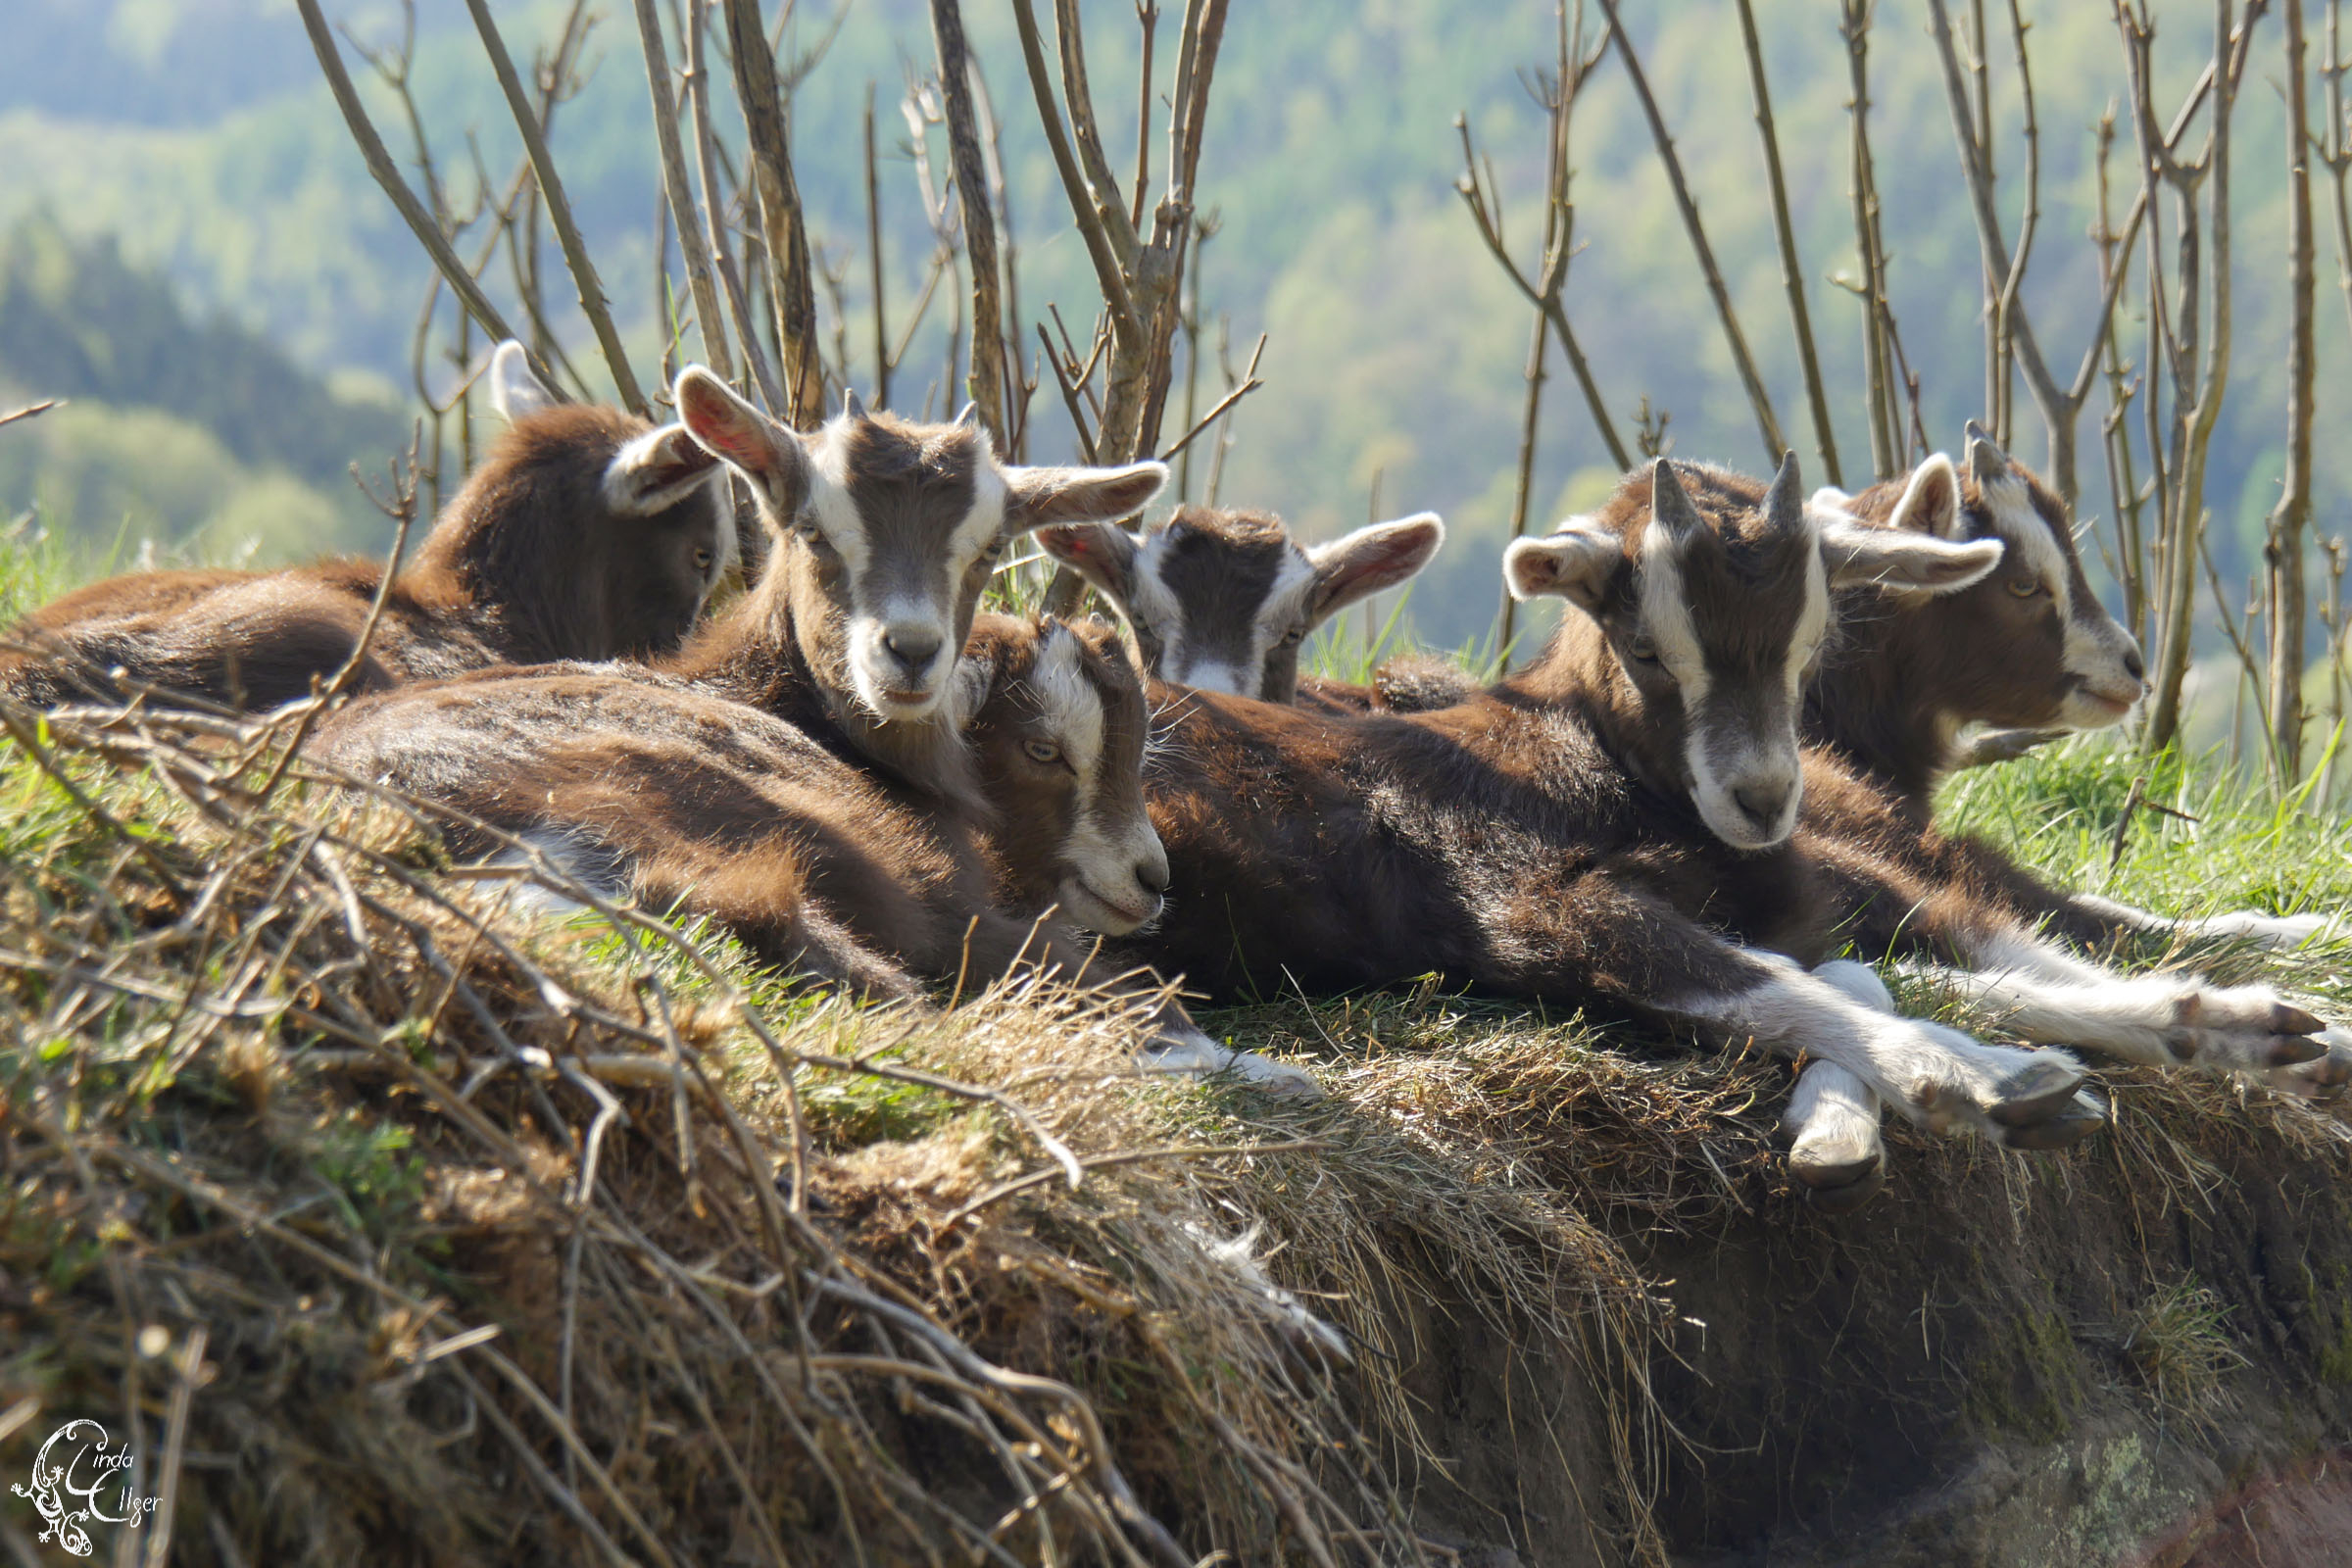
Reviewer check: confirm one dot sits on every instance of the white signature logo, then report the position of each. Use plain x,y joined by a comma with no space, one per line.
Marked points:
55,1485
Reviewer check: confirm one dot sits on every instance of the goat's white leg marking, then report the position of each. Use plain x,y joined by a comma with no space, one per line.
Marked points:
1832,1118
1184,1049
2278,932
1937,1076
2047,994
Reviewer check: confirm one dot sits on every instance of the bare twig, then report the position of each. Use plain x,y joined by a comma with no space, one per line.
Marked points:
2290,520
387,175
791,291
985,381
1768,424
709,318
30,411
1792,273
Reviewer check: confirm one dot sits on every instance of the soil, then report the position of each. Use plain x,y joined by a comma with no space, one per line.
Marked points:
1964,1373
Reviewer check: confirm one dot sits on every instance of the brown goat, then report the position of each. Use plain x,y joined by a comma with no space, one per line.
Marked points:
585,533
648,789
1620,823
825,717
1221,600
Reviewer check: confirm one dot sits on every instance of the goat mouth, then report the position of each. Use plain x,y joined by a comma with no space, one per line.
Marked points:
2107,704
1098,912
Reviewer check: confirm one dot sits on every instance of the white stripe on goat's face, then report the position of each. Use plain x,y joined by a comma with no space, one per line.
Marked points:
908,516
1061,745
2100,662
1733,612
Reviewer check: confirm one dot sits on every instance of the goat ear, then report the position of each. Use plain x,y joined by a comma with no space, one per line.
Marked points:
1828,498
1930,502
655,472
1035,497
1576,564
1372,559
515,390
1858,556
739,435
1102,553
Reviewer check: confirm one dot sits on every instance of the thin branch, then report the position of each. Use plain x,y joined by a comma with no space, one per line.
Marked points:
710,318
387,175
1109,265
1792,273
30,411
985,381
559,212
792,293
1768,424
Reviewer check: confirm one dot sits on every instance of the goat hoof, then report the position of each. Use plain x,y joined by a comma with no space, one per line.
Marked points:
2292,1051
1849,1197
2036,1093
2082,1116
2293,1020
1838,1185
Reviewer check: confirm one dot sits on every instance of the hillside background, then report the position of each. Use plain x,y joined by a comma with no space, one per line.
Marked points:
195,255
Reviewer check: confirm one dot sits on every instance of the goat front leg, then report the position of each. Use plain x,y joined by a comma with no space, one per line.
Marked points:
1834,1148
2280,933
1000,945
1619,943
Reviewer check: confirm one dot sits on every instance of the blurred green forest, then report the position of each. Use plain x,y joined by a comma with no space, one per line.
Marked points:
195,132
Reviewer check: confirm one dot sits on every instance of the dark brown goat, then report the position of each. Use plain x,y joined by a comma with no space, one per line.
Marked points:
1614,825
585,533
1221,600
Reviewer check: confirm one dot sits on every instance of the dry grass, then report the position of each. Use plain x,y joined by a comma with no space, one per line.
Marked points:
458,1234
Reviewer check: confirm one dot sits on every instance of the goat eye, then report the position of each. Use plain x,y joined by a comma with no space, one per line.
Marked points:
1043,753
703,559
1293,637
993,549
1641,648
2024,587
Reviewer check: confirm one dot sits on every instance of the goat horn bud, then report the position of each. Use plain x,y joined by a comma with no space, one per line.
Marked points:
1784,506
1670,504
852,403
970,413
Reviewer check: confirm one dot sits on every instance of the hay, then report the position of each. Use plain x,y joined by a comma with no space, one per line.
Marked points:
393,1224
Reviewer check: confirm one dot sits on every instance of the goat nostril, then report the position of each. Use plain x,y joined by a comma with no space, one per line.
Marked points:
2133,666
1762,804
912,649
1152,874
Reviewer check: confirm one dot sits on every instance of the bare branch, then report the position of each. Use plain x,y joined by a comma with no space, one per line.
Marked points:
1792,273
1768,424
2290,520
709,318
559,212
986,380
30,411
791,290
387,175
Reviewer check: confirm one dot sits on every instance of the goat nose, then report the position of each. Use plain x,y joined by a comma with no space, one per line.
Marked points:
914,648
1152,873
1762,803
2133,665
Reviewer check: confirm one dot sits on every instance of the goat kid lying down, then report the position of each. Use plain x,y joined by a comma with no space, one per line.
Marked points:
882,534
1612,823
647,788
585,533
1611,826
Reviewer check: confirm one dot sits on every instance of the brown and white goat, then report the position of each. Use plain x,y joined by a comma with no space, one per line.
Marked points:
584,533
1221,600
883,534
650,788
1611,826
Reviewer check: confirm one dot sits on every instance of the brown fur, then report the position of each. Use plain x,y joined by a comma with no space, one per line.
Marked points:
1911,671
525,565
1537,840
680,796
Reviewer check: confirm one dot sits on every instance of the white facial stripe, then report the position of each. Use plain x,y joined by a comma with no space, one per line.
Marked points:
2094,644
1284,610
829,505
1068,700
1812,623
980,526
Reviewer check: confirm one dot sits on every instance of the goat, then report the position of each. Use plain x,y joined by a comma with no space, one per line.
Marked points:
821,727
649,787
1609,826
1221,600
585,533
